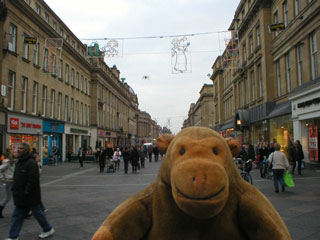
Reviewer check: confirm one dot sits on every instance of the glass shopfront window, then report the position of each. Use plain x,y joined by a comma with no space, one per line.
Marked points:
281,131
16,139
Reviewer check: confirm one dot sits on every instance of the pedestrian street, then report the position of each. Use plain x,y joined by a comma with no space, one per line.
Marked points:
78,200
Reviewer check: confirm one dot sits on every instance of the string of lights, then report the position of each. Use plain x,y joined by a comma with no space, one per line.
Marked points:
148,37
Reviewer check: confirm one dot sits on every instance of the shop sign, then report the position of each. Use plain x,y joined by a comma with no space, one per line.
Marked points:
53,127
276,27
313,143
76,130
309,102
20,124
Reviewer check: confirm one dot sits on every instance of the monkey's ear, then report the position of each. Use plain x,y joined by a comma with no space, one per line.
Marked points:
234,146
163,141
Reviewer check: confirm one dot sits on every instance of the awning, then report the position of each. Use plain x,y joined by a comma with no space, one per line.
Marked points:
243,117
226,126
280,109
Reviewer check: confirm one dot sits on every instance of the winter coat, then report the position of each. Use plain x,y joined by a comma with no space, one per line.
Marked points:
26,182
126,156
134,157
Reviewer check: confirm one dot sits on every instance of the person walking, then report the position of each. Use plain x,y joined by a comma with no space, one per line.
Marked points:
82,156
126,159
134,159
142,155
7,170
102,160
263,155
55,153
299,156
279,163
150,149
156,153
116,158
26,194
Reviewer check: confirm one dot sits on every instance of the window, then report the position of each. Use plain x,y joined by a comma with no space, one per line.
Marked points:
81,83
59,105
54,25
45,59
285,13
299,63
60,69
53,64
88,116
38,8
251,44
77,80
253,86
89,88
288,72
244,49
35,98
77,112
67,73
81,113
72,77
36,53
275,21
13,38
46,17
73,43
258,35
24,94
71,110
11,89
66,105
25,49
53,93
278,77
296,7
260,83
85,122
86,86
314,58
44,101
246,87
61,31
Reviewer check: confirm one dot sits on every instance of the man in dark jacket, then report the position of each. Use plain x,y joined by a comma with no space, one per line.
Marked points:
26,194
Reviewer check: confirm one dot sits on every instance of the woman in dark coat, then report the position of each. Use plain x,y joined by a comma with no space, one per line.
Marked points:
134,159
299,156
126,158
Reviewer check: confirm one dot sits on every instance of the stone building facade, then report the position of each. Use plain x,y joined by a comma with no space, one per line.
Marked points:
271,69
201,112
52,93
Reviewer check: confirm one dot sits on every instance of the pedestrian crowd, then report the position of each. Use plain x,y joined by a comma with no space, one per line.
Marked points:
271,161
109,158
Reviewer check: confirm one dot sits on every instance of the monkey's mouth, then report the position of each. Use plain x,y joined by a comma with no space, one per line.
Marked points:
200,198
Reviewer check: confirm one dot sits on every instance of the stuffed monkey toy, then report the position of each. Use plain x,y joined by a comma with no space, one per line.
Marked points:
198,195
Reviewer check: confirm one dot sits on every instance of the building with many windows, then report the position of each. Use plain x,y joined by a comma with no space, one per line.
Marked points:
53,94
270,74
201,112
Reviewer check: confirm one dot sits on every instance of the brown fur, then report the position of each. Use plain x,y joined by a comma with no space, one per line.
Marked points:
198,194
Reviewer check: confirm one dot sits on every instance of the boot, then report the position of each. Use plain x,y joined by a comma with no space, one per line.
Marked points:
1,208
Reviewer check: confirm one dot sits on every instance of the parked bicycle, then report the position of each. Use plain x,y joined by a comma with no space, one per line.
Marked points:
245,168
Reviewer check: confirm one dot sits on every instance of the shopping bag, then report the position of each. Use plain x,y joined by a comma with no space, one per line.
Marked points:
288,181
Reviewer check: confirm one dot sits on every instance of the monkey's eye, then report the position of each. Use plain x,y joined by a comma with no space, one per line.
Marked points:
215,151
182,151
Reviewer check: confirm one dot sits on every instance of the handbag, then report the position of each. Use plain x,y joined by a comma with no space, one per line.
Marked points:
288,180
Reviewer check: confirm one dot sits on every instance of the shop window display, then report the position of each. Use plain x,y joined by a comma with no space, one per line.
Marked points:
15,140
281,131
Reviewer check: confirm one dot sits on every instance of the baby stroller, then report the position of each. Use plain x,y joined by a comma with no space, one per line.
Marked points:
111,166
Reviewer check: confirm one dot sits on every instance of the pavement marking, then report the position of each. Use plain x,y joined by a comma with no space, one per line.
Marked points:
69,176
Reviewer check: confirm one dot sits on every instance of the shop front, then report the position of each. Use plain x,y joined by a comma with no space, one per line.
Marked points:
259,132
281,131
76,137
24,129
52,137
103,138
306,121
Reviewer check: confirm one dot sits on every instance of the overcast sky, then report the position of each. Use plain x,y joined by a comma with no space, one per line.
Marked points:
166,96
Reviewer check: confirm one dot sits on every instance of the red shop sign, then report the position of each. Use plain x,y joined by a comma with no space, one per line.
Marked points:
14,123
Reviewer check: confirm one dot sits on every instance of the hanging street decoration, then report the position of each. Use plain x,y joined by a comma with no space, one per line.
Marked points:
105,48
180,55
230,57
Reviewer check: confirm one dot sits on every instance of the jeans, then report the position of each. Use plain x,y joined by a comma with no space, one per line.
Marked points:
299,166
278,177
18,216
7,194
